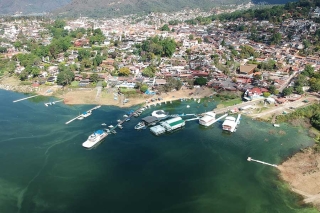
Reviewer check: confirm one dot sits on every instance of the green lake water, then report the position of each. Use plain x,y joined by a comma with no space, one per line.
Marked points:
44,169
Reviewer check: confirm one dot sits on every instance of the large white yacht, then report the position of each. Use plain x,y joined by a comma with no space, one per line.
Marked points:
208,119
95,138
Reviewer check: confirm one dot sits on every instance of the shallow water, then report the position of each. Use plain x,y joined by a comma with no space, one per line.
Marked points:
45,169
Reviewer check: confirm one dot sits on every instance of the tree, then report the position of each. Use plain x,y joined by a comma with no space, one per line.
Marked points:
191,37
124,71
200,81
272,89
315,84
315,120
266,94
165,28
149,71
299,90
23,75
287,91
104,84
143,88
94,77
65,77
82,54
308,70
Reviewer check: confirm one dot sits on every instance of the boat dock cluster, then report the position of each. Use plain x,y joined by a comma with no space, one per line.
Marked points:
51,103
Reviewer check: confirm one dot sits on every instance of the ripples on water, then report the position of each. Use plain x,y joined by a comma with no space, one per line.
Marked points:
45,169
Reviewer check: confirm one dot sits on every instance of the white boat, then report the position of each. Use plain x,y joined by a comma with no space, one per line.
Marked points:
276,125
125,116
95,138
80,117
160,114
229,124
120,126
140,125
119,121
86,114
208,119
104,124
110,126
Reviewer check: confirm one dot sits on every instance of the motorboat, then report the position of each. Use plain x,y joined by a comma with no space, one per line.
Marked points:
140,125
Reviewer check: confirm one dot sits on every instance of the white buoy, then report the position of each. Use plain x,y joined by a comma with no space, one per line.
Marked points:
188,106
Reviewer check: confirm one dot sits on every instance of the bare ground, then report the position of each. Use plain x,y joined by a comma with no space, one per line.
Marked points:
302,172
107,97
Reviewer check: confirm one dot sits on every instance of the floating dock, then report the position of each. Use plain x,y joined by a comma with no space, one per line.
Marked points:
25,98
258,161
81,115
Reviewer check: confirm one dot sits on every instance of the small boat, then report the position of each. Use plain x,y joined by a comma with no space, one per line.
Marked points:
107,130
140,125
118,120
104,124
80,117
113,132
188,106
125,116
128,119
120,126
276,125
110,126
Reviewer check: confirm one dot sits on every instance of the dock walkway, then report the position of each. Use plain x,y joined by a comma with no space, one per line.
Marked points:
258,161
96,107
25,98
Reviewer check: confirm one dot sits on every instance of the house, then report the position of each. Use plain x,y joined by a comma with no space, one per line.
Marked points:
254,93
247,69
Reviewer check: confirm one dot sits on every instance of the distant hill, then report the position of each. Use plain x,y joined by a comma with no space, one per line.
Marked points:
272,1
111,8
9,7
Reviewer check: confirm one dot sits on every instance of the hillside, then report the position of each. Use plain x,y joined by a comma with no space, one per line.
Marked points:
111,8
9,7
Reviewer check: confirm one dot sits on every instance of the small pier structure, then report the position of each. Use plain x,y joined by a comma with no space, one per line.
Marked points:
258,161
50,103
96,107
25,98
223,116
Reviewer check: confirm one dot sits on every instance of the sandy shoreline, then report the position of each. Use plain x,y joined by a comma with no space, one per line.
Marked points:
302,172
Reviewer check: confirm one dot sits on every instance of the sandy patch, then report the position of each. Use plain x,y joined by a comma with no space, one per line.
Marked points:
302,172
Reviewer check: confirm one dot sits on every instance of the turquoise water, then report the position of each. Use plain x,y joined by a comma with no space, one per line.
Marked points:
43,167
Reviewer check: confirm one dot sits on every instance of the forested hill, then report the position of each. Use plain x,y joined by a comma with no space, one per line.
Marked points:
10,7
111,8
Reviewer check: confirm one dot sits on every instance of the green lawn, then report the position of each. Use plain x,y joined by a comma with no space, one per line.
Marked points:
231,102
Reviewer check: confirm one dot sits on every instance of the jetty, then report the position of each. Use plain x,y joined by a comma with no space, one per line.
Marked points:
25,98
223,116
258,161
89,111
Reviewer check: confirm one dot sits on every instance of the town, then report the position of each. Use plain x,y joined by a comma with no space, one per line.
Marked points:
165,52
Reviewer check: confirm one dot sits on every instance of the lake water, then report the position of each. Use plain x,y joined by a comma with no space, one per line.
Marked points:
43,167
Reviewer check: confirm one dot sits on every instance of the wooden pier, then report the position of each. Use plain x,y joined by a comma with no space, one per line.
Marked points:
258,161
81,115
25,98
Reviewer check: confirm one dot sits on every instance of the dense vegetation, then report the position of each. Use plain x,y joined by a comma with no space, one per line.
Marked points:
275,14
156,47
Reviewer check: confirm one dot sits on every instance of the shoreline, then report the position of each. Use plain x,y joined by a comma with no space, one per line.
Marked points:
290,170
